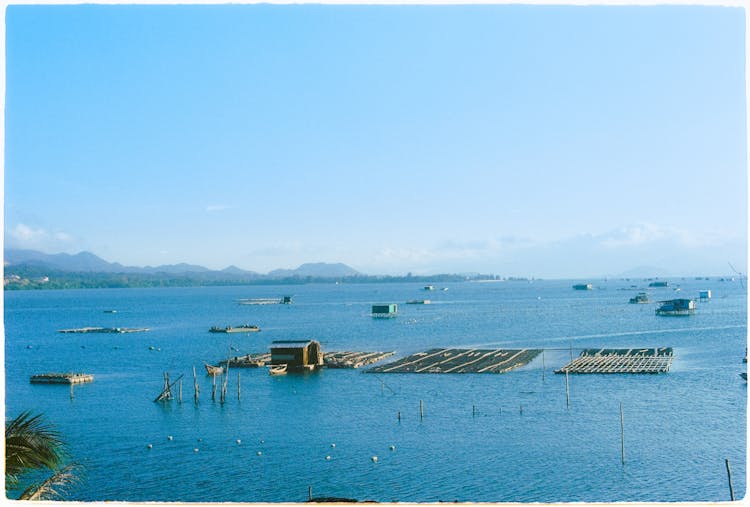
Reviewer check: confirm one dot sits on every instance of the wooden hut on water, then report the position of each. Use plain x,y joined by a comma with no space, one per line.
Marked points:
297,354
385,310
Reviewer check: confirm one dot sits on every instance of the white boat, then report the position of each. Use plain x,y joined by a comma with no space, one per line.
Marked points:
277,369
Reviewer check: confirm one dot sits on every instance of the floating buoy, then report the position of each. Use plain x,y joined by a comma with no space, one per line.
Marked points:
328,458
259,453
28,346
333,445
200,440
170,437
151,348
262,441
374,459
239,441
149,446
195,450
393,447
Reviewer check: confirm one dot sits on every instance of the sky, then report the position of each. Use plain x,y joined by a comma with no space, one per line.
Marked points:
518,140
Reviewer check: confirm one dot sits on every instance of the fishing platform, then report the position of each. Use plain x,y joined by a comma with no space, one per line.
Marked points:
62,378
353,359
460,361
104,330
647,360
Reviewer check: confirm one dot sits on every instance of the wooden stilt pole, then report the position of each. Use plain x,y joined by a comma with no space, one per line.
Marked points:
421,410
399,416
195,385
213,388
622,436
71,390
543,367
567,391
179,399
729,476
238,386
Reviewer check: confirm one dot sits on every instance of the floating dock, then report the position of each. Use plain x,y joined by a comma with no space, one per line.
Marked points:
104,330
621,361
62,378
460,361
353,359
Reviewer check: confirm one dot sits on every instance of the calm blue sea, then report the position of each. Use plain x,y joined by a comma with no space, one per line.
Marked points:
521,444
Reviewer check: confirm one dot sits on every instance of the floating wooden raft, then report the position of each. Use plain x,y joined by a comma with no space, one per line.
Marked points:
353,359
104,330
621,361
460,361
61,378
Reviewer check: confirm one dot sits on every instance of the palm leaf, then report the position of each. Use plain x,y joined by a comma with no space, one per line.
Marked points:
53,487
30,444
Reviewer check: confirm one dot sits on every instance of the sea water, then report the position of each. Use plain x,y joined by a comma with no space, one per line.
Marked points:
483,437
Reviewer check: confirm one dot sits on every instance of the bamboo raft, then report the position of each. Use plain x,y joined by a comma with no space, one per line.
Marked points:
645,360
353,359
460,361
61,378
104,330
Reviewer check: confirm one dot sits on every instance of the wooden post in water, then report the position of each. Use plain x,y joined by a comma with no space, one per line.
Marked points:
473,410
238,386
179,396
729,476
567,391
543,368
520,409
195,385
309,493
71,390
213,388
421,410
399,416
622,436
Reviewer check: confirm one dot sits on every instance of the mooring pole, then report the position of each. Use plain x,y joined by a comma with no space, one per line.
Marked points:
567,391
195,385
473,410
622,438
71,390
309,493
238,385
399,416
729,476
543,368
520,409
179,399
421,410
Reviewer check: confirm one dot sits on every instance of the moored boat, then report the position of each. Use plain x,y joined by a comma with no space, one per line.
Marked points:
640,298
245,328
214,370
277,369
677,307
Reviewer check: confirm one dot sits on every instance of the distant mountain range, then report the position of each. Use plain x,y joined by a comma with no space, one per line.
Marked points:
86,262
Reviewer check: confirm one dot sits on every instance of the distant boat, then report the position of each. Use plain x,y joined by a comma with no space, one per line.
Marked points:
583,286
284,300
110,311
640,298
277,369
429,287
214,370
245,328
418,302
659,284
677,307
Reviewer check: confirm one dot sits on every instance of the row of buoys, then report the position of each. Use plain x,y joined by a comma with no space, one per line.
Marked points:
238,441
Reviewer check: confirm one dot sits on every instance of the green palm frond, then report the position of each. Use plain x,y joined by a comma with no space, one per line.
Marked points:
54,487
30,444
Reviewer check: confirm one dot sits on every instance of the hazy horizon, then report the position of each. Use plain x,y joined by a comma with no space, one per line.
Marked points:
545,141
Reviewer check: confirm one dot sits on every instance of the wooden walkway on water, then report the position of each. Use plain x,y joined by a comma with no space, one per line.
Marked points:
353,359
61,378
648,360
460,361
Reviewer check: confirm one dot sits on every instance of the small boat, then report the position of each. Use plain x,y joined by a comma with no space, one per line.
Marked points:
640,298
744,376
583,286
214,370
429,287
277,369
418,302
245,328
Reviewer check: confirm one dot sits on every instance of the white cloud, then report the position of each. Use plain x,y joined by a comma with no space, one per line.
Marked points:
37,238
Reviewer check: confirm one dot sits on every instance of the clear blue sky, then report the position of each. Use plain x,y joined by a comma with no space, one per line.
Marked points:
548,141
